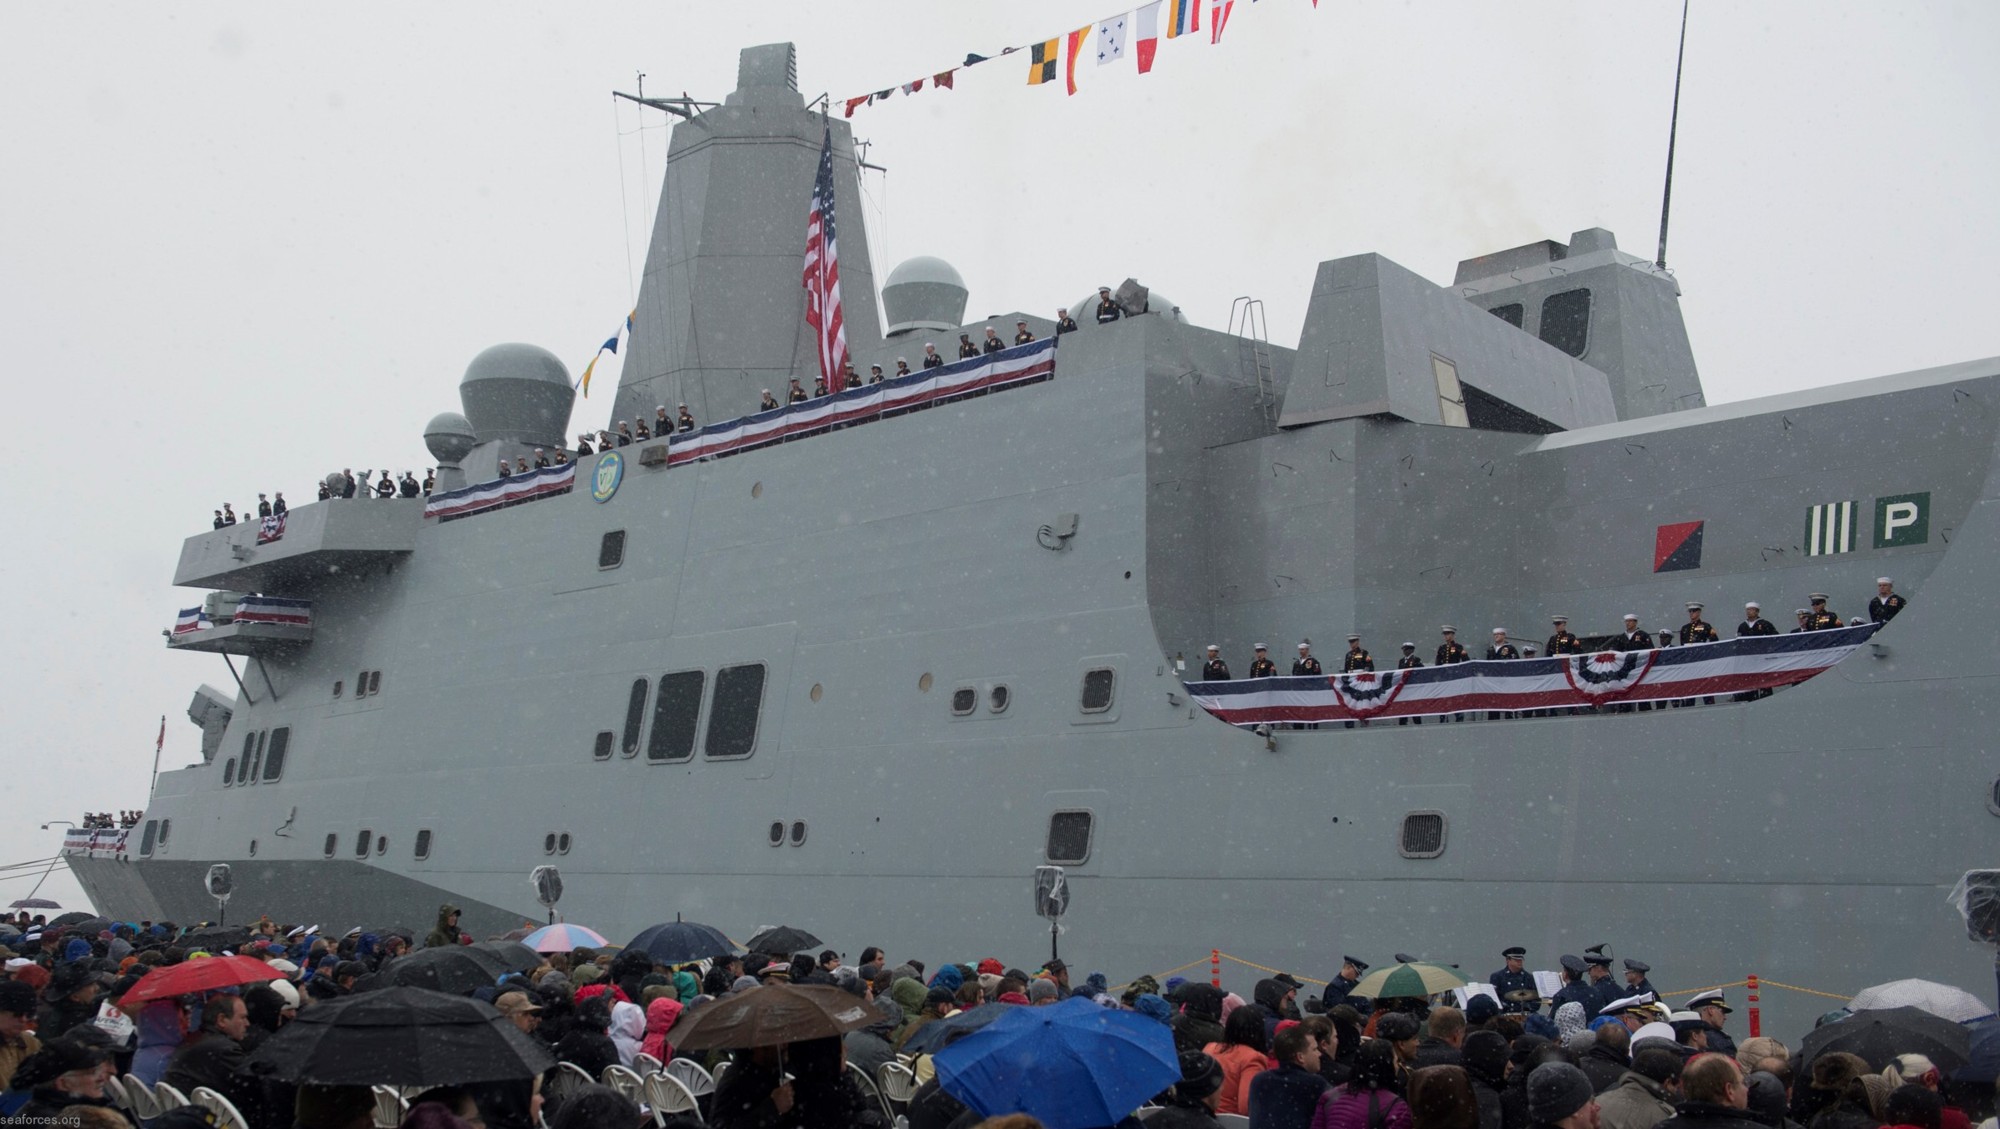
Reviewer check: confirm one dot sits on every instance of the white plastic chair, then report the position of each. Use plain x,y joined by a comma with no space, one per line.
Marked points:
895,1082
720,1068
869,1089
114,1090
390,1107
140,1098
225,1111
568,1079
625,1080
1146,1111
690,1074
666,1094
644,1064
167,1098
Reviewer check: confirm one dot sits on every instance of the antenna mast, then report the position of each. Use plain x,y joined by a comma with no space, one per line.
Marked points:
1673,127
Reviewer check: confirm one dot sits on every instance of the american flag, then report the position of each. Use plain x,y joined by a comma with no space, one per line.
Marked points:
823,275
271,529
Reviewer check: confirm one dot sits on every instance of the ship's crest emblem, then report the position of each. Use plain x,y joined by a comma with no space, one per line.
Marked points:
610,472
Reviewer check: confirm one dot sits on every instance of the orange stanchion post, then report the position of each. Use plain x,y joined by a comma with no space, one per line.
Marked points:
1215,967
1756,1024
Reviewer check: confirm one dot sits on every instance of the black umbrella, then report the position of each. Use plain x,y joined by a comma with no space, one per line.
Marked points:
72,917
677,942
215,938
1879,1036
783,940
932,1035
402,1037
456,969
512,955
382,931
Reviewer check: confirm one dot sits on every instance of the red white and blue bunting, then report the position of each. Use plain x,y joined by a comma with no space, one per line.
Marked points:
543,482
274,609
191,620
1008,368
1732,666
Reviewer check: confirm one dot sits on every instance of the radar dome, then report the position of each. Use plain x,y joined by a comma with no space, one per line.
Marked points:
923,293
449,437
517,392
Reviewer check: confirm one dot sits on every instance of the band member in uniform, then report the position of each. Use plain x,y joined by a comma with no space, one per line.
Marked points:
1574,990
1635,978
965,346
1064,322
1305,663
931,358
1511,981
767,402
1107,310
1562,642
1820,619
1022,334
1886,603
1356,658
1214,670
1262,666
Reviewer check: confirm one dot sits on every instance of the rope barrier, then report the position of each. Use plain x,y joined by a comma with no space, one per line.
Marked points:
1807,991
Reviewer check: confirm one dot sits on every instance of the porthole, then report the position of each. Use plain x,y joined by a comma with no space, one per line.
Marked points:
602,750
332,843
362,842
424,843
549,843
815,692
963,701
1422,835
798,832
999,698
337,684
611,549
777,832
562,843
756,489
1097,686
229,773
374,683
1069,837
381,844
166,825
253,848
924,683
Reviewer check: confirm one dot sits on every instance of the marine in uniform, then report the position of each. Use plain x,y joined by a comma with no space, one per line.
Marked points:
1305,663
385,487
1262,666
965,346
1713,1011
931,358
1451,650
1820,619
1754,622
1511,981
1696,629
640,431
264,508
1214,670
798,393
1356,657
1635,978
1886,603
1064,323
1022,334
1338,988
1562,642
278,505
1410,661
1574,990
661,424
1107,310
993,344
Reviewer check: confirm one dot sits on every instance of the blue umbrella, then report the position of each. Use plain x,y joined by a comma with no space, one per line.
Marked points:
1073,1065
931,1036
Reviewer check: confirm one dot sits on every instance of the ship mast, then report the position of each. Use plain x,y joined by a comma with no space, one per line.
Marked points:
1673,127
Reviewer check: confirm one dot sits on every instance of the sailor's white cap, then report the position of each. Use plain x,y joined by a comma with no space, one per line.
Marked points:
1260,647
767,391
1558,619
1630,616
1654,1030
659,407
1499,631
1694,606
1305,646
1800,611
1883,580
1409,646
1753,604
1354,638
1213,647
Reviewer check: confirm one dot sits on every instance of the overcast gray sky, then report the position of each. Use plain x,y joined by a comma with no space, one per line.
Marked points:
244,244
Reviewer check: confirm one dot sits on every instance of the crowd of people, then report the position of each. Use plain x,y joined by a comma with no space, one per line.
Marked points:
1882,608
1608,1056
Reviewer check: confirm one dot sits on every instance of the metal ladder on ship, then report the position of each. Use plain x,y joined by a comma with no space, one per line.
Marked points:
1253,351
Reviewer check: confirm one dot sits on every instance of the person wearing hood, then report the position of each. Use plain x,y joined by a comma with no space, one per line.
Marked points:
1485,1057
908,994
1190,1103
64,1074
586,1045
1644,1095
1272,995
162,1026
869,1047
949,978
1713,1096
1199,1021
628,969
686,987
446,931
627,1030
661,1015
1369,1099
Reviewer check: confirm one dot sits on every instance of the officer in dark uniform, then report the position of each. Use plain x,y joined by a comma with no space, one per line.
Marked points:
641,432
1574,990
1305,663
1515,978
264,510
902,367
1604,989
347,483
931,357
1635,978
409,486
1262,666
798,393
965,346
1214,670
1805,617
542,456
1632,639
875,374
767,402
1696,629
583,448
1451,650
1820,619
820,388
385,487
1710,1006
1754,622
686,422
1064,323
1107,310
430,482
993,344
278,504
219,523
661,424
1022,334
1562,642
1356,657
1886,603
1410,661
1501,648
624,434
1337,989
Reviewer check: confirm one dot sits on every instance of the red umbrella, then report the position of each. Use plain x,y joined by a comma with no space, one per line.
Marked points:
202,974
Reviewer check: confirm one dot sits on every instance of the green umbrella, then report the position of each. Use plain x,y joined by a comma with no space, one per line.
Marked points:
1419,979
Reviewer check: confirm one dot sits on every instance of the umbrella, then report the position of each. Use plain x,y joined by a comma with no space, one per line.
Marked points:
380,931
456,969
770,1016
561,938
33,903
200,975
73,917
1416,979
1071,1065
932,1035
402,1037
512,955
1941,1000
214,938
1879,1036
515,934
783,940
678,942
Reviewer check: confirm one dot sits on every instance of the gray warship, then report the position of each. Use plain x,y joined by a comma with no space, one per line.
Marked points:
865,678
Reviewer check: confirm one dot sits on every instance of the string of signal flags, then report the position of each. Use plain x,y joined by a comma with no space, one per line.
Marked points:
1108,39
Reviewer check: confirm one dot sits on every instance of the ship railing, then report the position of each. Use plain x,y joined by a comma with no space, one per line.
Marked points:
95,841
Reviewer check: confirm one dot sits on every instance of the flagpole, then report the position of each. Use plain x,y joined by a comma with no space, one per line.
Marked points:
1673,127
157,746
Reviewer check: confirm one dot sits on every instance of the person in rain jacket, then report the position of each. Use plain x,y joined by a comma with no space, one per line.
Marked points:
686,987
627,1031
1243,1055
1368,1097
661,1015
446,932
